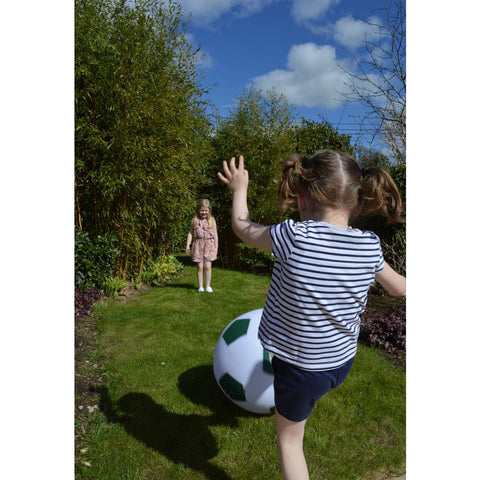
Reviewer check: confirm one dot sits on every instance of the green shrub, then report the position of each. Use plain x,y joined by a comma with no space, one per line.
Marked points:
136,281
94,259
399,175
112,286
161,270
252,257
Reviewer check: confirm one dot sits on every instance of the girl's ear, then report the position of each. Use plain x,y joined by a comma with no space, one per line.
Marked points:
358,210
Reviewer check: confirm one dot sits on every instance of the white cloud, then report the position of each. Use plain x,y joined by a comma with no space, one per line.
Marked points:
353,33
304,11
205,12
203,58
206,61
313,77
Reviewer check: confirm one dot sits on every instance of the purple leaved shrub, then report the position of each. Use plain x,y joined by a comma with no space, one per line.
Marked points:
84,300
386,331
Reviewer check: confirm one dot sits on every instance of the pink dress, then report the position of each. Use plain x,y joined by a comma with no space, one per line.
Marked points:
204,246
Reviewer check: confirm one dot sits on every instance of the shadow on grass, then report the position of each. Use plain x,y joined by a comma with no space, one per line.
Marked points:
185,260
183,439
186,286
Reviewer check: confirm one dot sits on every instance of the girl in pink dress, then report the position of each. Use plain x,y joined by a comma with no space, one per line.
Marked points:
203,232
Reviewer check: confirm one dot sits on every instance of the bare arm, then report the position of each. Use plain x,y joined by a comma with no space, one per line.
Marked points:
394,283
189,241
252,233
215,234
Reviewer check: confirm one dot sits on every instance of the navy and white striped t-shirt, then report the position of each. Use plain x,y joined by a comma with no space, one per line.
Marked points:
318,291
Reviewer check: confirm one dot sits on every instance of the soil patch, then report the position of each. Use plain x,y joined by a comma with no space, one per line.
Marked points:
89,368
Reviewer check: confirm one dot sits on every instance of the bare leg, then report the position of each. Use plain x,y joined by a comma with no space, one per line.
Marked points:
208,273
290,445
200,274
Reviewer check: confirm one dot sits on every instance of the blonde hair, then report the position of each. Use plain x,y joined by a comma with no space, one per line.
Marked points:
203,203
334,179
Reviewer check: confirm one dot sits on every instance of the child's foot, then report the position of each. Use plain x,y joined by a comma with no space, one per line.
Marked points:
201,289
209,289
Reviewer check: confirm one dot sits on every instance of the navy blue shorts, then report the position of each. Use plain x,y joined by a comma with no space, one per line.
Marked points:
296,390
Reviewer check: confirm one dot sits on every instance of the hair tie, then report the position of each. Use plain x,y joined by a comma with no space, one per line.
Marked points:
364,172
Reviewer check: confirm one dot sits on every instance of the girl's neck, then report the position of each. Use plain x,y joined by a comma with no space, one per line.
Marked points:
334,216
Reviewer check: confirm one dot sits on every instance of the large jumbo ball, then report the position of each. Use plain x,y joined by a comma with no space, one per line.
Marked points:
241,366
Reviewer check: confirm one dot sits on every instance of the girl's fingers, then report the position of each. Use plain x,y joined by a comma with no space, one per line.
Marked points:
231,169
225,178
228,174
222,178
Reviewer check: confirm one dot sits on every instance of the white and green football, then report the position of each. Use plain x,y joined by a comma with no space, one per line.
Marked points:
241,366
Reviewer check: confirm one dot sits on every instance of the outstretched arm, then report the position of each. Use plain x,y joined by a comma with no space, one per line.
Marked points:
236,180
394,283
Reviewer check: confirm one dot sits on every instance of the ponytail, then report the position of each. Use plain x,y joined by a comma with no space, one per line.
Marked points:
380,194
288,188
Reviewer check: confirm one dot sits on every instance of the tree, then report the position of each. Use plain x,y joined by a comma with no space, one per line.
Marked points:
369,157
380,84
265,131
141,128
259,128
310,136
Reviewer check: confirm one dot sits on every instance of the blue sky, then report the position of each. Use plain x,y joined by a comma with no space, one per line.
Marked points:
297,46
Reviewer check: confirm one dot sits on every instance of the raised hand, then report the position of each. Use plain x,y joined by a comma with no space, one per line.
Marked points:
235,178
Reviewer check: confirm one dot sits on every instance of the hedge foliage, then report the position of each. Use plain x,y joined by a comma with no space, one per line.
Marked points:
146,149
94,259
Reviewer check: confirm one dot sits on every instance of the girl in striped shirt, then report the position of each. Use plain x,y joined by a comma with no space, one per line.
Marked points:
322,274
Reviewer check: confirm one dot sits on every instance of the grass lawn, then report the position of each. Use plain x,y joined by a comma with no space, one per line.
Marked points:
162,416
